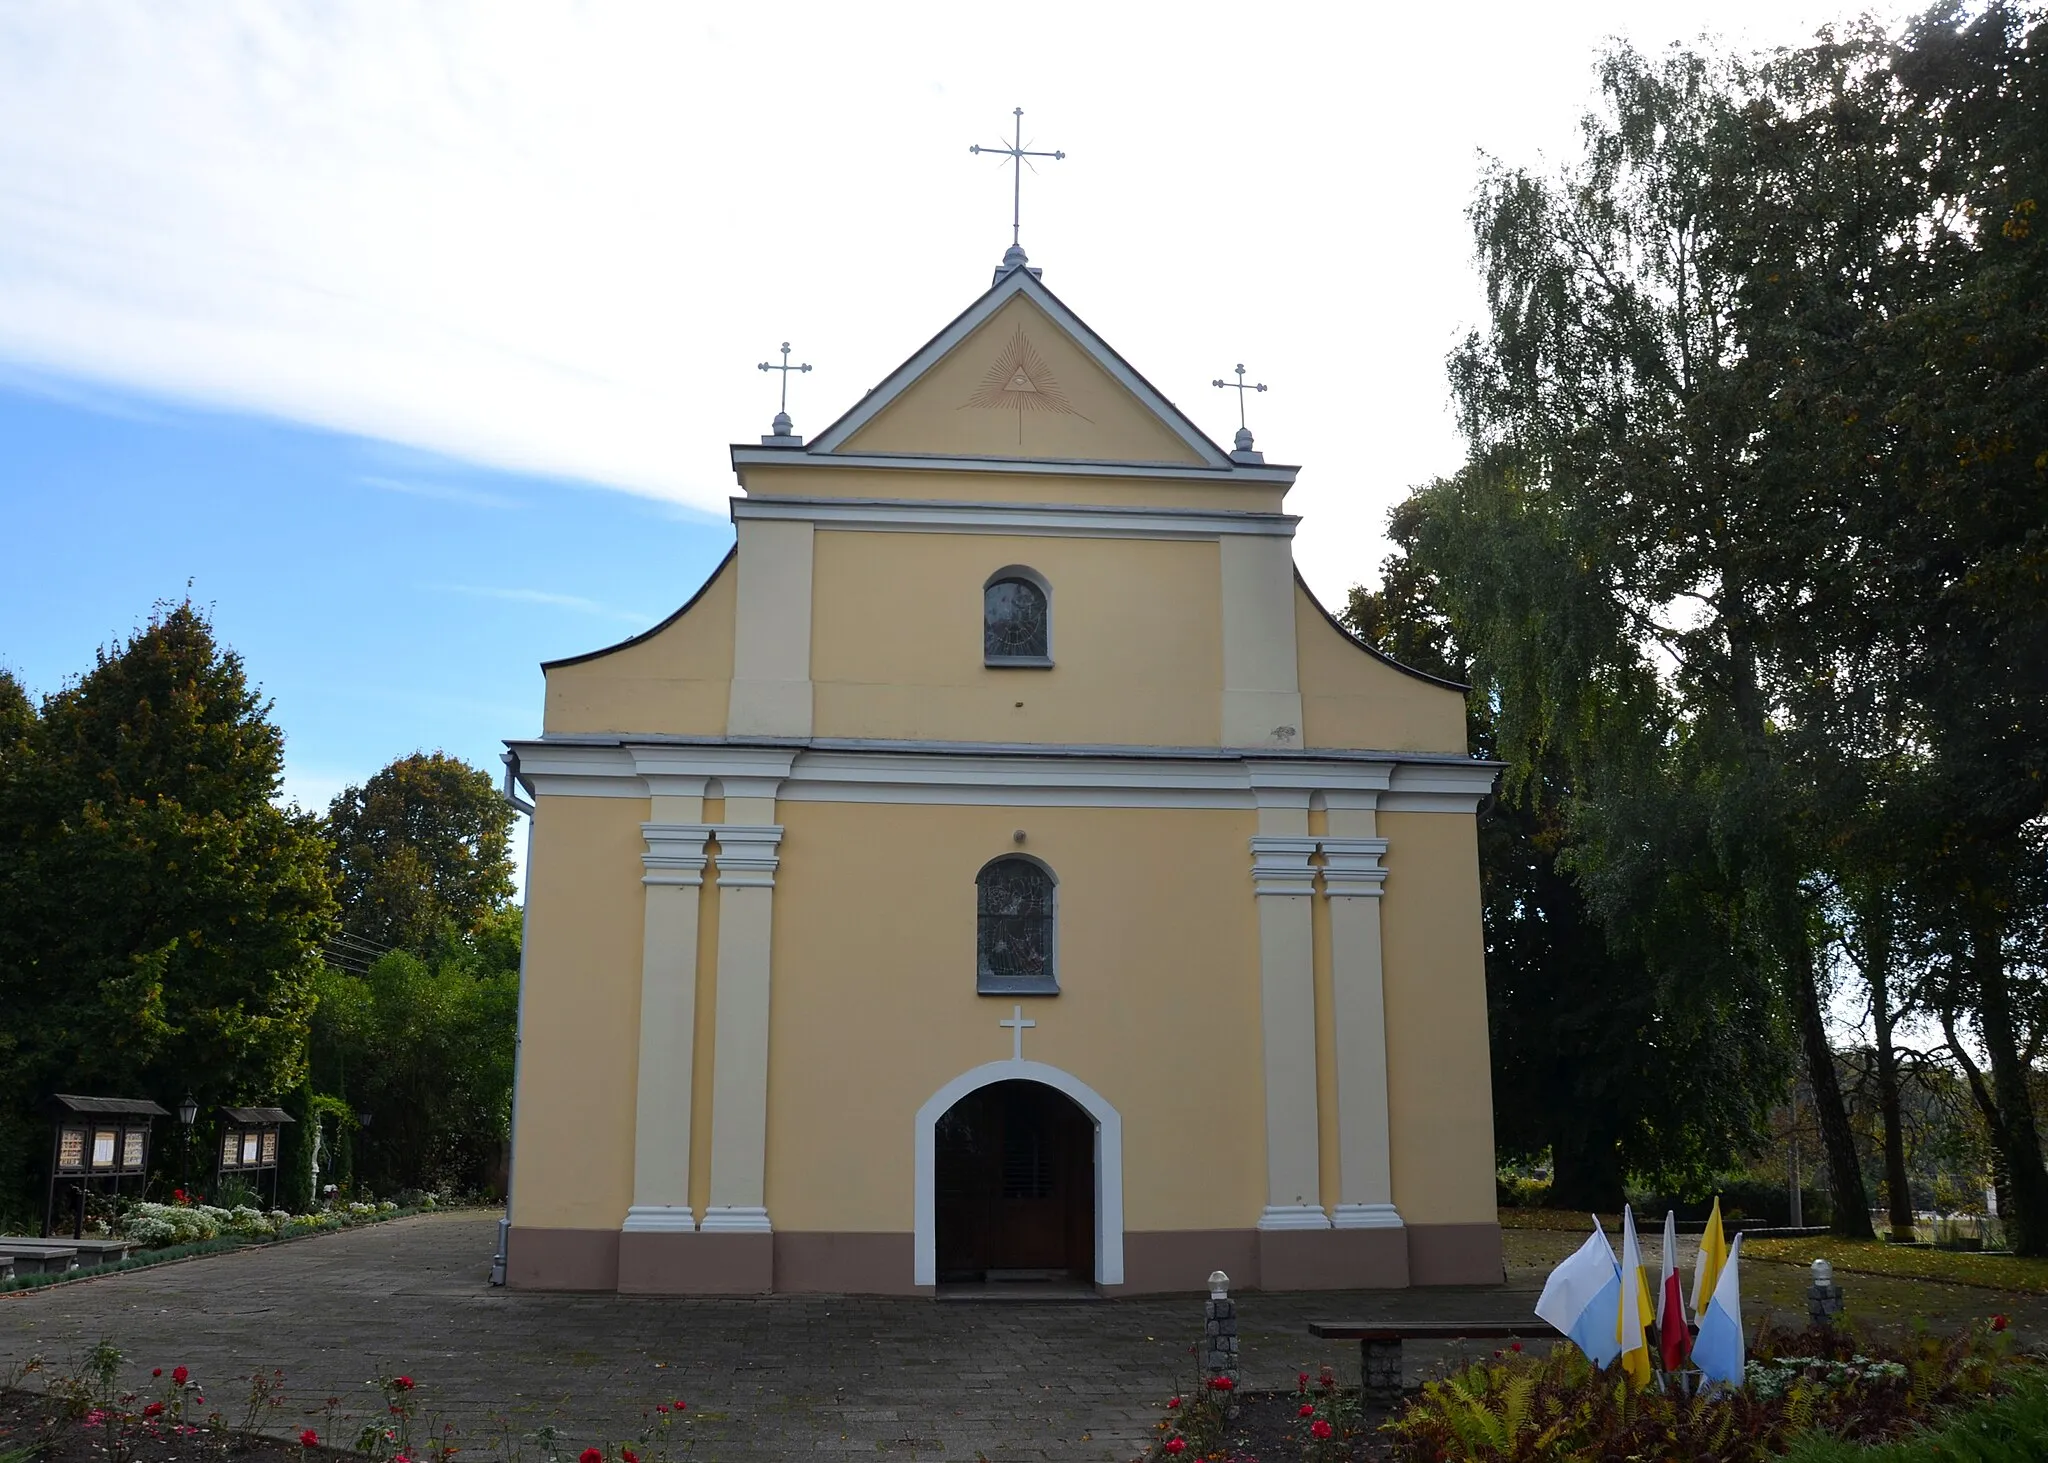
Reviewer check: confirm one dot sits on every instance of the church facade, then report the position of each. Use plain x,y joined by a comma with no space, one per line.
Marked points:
1002,871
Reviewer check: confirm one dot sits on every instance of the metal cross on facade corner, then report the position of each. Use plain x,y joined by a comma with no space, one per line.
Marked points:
1016,1024
1241,386
1016,152
785,368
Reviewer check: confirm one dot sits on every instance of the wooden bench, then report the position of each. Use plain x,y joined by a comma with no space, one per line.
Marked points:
1379,1345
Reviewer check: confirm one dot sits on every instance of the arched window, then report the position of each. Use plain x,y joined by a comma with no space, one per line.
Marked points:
1015,940
1016,619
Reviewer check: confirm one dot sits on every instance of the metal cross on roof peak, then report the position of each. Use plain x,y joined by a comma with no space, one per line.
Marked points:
1244,434
782,422
1018,154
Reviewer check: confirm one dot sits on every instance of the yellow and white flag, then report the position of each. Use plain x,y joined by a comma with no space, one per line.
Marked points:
1636,1310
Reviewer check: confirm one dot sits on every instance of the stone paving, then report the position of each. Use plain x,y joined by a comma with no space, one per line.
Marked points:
777,1377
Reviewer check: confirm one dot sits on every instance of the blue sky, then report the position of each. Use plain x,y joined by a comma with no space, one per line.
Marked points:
386,598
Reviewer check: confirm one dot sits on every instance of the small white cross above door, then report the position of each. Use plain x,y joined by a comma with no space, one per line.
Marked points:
1016,1024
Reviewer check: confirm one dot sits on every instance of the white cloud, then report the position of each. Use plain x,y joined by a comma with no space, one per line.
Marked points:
558,238
441,492
557,601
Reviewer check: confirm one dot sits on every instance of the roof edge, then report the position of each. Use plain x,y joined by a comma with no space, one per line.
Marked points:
648,634
1372,650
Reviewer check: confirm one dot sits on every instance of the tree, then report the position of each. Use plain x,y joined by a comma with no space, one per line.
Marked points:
421,852
425,1046
159,913
1588,1023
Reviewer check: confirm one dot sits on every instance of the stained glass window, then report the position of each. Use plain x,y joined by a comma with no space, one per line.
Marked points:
1015,928
1013,621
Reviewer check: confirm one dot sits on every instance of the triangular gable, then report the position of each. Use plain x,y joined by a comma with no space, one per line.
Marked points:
1019,375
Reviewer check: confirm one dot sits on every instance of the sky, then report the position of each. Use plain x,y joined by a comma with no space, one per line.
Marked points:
410,338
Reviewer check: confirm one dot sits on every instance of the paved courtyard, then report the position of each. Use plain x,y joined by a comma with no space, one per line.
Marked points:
778,1377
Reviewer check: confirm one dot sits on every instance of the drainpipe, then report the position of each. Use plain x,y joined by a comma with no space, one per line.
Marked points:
510,792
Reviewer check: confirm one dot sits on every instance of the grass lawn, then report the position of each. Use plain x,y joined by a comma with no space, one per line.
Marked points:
2006,1273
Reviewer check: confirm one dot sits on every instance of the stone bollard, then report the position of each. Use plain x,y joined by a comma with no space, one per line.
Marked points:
1823,1297
1219,1329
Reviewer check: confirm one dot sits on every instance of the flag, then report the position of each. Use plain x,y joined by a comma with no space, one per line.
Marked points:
1706,1270
1673,1339
1717,1350
1632,1318
1581,1294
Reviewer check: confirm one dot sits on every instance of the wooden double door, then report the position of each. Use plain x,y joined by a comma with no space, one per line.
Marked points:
1015,1172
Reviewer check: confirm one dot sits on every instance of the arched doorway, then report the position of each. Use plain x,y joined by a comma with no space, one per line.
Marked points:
1014,1186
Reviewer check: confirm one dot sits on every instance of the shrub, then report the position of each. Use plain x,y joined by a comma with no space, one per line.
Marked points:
1516,1191
2008,1429
1520,1410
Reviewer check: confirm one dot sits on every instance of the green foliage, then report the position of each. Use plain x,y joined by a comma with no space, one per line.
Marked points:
159,913
2012,1428
1559,1408
421,852
1588,1012
1747,554
425,1046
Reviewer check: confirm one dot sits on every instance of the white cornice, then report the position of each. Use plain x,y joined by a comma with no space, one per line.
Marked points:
1075,520
1005,777
1277,474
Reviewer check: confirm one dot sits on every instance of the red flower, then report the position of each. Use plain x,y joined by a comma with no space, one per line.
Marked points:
179,1374
1999,1323
1176,1446
661,1407
682,1406
629,1455
1308,1409
1320,1429
1221,1384
1514,1346
177,1196
155,1409
309,1439
590,1455
1301,1378
1173,1402
403,1384
156,1371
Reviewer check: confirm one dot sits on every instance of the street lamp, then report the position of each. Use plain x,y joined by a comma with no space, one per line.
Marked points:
188,1114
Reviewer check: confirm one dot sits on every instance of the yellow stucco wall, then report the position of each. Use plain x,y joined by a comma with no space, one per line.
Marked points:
1350,698
580,1018
1158,1011
1439,1081
1079,410
896,640
676,680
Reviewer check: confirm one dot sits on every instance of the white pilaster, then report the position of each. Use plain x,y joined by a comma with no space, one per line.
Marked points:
771,670
674,881
747,861
1284,883
1261,683
1353,880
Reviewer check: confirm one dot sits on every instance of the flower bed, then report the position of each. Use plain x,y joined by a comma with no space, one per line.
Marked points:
172,1224
1559,1408
185,1231
84,1414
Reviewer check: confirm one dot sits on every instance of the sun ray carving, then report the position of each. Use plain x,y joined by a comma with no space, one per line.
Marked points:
1021,381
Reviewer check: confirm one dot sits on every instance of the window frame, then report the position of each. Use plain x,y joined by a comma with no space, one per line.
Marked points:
1050,985
1025,574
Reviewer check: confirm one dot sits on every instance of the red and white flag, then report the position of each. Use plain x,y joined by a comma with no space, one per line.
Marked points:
1674,1338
